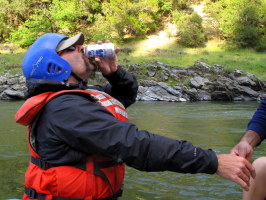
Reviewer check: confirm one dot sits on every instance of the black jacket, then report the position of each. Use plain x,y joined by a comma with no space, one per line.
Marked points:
72,127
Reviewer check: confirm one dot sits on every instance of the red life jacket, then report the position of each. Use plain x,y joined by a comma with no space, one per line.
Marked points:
100,178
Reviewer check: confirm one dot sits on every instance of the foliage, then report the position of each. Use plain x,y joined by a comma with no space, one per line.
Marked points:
61,17
129,17
101,30
181,4
65,15
112,18
240,22
190,30
37,24
11,15
177,16
261,44
165,6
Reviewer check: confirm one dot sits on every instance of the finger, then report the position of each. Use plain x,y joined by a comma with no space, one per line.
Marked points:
242,183
117,50
245,176
251,169
98,60
234,152
249,156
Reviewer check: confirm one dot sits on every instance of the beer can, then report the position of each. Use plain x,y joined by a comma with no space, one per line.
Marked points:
105,50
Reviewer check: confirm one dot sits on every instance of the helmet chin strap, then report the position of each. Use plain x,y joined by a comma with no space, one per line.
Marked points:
82,83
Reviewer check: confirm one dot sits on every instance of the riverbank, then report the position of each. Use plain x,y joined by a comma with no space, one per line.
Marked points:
162,82
163,48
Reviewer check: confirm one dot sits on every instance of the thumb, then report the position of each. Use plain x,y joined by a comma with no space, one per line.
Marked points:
234,152
249,156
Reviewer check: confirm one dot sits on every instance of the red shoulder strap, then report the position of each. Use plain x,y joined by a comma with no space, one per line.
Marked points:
30,108
33,105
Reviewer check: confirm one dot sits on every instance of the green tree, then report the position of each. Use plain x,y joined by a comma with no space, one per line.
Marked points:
132,17
245,33
95,18
261,44
190,30
12,13
101,29
240,22
37,24
183,4
165,6
63,16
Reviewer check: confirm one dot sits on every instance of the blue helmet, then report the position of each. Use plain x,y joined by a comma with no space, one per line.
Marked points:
42,61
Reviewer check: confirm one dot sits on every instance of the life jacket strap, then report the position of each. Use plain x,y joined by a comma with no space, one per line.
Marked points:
40,163
44,165
32,194
98,165
104,164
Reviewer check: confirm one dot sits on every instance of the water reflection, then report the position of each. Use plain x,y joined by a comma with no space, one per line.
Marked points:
216,125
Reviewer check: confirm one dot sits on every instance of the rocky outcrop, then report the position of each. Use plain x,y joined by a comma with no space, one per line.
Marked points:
12,87
199,82
162,82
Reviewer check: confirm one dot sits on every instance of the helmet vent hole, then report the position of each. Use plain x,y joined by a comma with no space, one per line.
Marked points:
53,68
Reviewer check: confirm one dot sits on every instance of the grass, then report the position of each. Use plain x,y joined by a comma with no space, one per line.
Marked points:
11,57
166,50
246,60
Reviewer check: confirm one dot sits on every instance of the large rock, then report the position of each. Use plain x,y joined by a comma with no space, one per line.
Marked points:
155,93
12,87
9,93
3,80
169,89
246,81
198,82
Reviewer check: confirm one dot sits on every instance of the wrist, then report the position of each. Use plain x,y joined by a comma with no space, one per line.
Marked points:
252,138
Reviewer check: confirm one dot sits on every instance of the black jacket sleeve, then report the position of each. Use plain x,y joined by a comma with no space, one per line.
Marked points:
74,123
123,86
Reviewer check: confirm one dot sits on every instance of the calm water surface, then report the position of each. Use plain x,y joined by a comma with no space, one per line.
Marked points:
215,125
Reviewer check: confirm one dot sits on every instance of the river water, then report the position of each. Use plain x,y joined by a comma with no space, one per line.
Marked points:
215,125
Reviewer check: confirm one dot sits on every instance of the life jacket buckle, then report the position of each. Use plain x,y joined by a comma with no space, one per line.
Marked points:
31,193
43,165
40,163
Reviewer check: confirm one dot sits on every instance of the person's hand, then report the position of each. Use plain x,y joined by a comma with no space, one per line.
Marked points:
107,65
243,149
236,169
246,145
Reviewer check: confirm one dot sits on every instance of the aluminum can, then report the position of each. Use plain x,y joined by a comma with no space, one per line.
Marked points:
105,50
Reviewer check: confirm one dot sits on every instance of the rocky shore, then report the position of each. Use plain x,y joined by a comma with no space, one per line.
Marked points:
162,82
